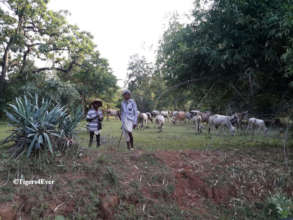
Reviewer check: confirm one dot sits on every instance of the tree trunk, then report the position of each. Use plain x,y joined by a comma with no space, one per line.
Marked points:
4,71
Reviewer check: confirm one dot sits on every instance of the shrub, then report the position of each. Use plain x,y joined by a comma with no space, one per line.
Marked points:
39,125
282,205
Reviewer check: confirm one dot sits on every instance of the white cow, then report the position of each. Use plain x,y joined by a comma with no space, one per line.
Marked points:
196,120
142,120
155,113
257,124
216,121
160,121
166,115
194,112
149,116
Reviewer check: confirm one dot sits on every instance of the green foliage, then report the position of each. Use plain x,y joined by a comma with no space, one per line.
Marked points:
38,124
241,51
146,84
61,92
93,78
282,206
139,82
70,122
32,34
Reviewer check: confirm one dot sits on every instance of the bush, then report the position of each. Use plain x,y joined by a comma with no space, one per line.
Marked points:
40,125
282,206
64,93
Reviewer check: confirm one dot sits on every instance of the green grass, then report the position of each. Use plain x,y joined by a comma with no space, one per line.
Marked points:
172,138
177,137
5,129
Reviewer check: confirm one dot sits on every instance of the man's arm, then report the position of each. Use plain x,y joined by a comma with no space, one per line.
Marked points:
135,113
91,116
100,115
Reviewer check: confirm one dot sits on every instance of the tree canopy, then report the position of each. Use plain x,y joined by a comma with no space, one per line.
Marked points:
242,51
36,40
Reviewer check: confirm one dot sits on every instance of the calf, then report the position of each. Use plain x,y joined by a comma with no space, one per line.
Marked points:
256,124
160,121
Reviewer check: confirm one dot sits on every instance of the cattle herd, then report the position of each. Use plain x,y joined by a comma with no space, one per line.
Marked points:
200,120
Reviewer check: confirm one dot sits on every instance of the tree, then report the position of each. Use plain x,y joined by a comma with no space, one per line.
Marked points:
35,39
240,50
92,78
139,79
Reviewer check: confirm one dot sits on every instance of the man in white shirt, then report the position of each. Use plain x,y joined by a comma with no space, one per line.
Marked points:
128,118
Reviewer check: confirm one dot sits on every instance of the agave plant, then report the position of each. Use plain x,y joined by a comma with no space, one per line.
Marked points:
70,122
37,124
67,127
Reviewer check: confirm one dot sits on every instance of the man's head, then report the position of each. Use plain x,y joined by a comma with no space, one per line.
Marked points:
126,94
97,104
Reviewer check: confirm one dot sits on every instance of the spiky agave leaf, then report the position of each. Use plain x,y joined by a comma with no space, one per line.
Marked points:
35,122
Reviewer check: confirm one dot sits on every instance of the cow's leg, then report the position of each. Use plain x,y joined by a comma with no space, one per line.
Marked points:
198,127
248,128
160,127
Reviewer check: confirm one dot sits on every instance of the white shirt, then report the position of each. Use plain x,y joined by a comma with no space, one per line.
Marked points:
129,111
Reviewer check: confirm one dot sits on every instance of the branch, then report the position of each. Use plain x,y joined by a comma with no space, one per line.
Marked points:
26,53
67,70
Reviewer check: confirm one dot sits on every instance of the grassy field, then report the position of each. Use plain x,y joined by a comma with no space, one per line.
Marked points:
4,130
178,137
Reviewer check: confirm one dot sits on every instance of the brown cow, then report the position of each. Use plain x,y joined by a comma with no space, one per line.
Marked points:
179,116
112,112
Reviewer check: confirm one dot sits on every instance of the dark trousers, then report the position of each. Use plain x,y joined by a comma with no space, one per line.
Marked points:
98,139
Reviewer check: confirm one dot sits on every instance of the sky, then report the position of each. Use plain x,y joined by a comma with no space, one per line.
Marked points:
122,28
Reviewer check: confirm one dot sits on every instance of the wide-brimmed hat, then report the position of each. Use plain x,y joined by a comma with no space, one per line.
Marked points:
98,102
126,91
